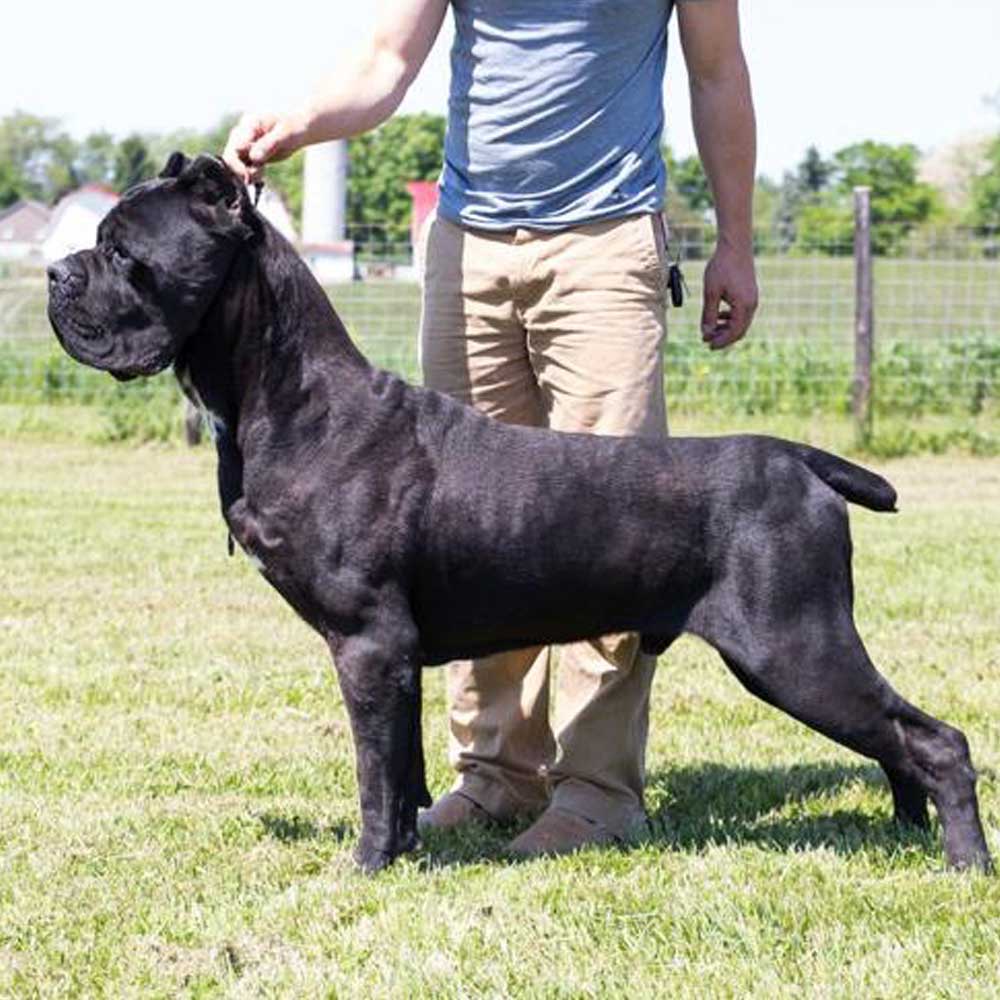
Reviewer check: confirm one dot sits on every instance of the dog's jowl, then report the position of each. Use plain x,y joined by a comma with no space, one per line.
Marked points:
409,530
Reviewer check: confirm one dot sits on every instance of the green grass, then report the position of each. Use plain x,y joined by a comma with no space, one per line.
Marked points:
177,793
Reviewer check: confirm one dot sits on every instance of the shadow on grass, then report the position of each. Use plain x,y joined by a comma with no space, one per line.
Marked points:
780,807
707,804
294,828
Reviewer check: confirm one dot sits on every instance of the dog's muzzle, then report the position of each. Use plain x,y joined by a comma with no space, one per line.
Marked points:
66,281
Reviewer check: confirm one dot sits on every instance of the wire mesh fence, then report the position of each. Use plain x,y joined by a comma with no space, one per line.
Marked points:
937,330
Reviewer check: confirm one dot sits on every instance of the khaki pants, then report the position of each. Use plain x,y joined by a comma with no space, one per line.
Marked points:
562,330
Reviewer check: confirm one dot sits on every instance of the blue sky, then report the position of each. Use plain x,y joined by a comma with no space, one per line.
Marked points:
824,71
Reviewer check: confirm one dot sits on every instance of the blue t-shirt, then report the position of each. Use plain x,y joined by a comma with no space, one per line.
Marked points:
556,112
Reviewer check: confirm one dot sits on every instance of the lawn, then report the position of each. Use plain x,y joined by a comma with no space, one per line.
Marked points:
177,792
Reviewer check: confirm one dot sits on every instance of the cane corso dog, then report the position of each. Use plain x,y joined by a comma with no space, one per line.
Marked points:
409,530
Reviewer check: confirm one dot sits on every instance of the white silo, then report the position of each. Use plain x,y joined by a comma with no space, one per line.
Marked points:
324,195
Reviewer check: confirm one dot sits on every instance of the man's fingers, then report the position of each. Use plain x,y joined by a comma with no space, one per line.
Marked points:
245,133
710,310
278,142
740,315
730,298
265,148
730,326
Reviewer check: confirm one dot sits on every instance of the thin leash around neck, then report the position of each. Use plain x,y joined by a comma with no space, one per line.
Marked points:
257,185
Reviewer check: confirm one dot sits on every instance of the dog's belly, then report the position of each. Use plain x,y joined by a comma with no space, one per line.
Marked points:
555,596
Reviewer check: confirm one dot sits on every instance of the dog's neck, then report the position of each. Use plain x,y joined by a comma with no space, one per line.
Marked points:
270,344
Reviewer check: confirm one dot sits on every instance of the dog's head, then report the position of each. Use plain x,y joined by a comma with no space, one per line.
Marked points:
128,305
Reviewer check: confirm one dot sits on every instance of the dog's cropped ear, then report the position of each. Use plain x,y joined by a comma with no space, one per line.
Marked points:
211,180
219,197
176,163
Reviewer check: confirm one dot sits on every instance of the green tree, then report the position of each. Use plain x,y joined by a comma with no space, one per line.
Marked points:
825,227
405,148
898,197
95,158
801,189
986,190
813,174
132,163
899,200
38,155
766,205
689,196
692,185
10,185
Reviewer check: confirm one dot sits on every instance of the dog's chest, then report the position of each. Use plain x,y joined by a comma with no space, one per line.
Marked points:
213,422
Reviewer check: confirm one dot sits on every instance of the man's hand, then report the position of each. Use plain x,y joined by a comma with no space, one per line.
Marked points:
259,139
729,280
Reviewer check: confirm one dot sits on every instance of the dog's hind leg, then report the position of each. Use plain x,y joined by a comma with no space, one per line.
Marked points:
816,669
380,681
780,611
909,799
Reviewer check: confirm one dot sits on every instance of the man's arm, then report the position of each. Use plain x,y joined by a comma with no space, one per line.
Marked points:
357,98
725,129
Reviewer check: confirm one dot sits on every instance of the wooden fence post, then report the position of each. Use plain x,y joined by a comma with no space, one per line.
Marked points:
864,315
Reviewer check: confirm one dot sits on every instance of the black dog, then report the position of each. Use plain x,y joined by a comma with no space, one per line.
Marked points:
409,530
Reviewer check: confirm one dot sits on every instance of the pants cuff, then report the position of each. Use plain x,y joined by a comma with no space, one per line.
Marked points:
621,812
502,797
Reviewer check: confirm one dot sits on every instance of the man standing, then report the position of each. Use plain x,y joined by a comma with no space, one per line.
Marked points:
544,304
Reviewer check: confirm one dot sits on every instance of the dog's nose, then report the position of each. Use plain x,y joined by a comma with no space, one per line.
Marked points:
65,278
59,272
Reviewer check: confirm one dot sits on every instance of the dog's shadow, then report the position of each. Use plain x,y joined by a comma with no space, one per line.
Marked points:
780,808
694,808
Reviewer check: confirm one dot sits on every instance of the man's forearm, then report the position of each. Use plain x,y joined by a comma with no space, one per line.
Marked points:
723,117
725,128
360,97
365,93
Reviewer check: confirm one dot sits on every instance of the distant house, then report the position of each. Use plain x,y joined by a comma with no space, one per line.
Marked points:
75,220
22,226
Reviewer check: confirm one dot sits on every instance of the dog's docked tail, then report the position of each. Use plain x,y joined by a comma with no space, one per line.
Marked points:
851,481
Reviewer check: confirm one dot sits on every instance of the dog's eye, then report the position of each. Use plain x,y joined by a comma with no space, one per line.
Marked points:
116,255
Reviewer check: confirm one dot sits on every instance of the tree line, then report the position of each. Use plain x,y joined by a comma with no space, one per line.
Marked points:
808,209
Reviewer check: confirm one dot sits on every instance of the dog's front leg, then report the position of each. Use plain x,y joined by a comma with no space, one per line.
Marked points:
415,793
380,681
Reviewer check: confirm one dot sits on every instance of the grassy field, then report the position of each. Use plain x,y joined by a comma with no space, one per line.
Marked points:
177,796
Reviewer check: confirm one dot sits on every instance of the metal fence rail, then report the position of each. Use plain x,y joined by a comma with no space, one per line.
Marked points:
936,317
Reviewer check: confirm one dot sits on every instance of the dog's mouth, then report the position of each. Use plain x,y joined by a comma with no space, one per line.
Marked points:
81,338
92,344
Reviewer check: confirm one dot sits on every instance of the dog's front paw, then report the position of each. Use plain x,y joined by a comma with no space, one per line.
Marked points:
409,840
373,859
